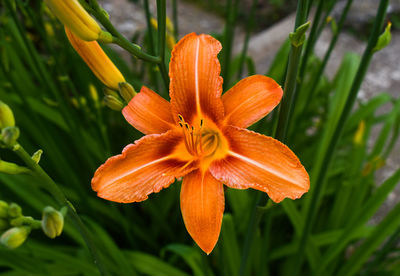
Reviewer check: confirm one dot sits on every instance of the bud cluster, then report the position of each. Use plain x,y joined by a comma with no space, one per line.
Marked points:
15,227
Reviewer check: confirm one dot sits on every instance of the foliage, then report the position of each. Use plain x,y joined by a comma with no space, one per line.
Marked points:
57,107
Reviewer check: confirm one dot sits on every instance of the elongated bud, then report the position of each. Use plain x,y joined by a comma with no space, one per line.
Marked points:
127,91
10,135
37,155
113,103
76,18
6,116
384,39
3,209
97,60
15,236
359,136
108,91
298,37
93,93
52,222
11,168
14,210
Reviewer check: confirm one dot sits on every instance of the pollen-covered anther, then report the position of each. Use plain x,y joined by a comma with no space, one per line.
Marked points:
192,137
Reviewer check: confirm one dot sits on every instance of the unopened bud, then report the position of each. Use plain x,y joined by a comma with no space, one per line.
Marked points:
10,135
359,136
108,91
11,168
52,222
93,93
3,209
113,103
127,91
37,155
14,210
298,37
6,116
15,236
384,39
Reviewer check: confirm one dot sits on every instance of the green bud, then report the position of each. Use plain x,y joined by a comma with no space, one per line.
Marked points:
3,224
11,168
6,116
127,91
3,209
14,210
108,91
10,135
384,39
105,37
52,222
298,37
113,103
15,236
37,155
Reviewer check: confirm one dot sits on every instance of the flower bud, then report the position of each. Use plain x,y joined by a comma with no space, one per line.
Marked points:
113,103
3,209
6,116
97,60
15,236
14,210
52,222
10,135
76,18
11,168
127,91
93,93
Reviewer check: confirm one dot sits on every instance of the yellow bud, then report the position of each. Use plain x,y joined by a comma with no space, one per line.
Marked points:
169,25
154,23
3,209
6,116
127,91
359,136
15,236
76,18
93,93
52,222
49,29
170,41
97,60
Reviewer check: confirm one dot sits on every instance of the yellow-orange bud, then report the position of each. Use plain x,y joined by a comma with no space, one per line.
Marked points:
76,18
97,60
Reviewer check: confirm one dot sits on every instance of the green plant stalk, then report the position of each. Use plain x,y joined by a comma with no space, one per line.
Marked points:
229,33
59,196
332,45
291,76
319,176
161,22
249,29
175,18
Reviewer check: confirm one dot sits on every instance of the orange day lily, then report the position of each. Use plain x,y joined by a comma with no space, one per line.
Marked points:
201,135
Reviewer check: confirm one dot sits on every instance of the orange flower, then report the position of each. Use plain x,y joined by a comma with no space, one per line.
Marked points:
202,136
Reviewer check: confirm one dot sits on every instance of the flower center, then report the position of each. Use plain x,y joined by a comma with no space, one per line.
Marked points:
202,141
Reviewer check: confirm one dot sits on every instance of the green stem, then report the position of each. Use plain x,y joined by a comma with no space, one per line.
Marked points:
249,29
319,177
161,22
56,192
321,69
175,19
291,77
229,34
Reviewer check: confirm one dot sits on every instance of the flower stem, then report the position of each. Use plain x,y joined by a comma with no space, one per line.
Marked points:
56,192
291,77
161,22
319,176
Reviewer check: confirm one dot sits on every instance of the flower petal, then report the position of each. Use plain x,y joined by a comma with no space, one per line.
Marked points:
260,162
202,206
196,85
143,168
250,100
149,112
